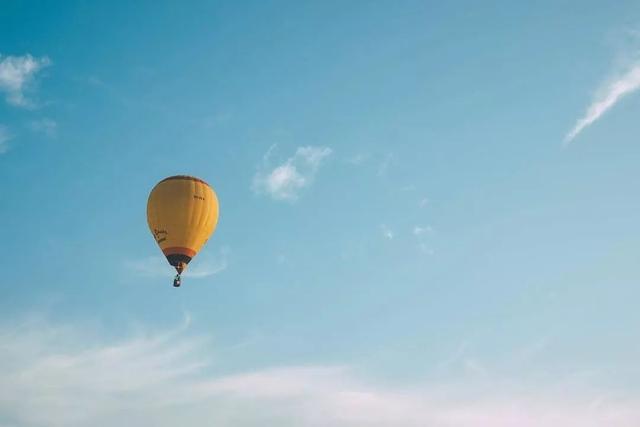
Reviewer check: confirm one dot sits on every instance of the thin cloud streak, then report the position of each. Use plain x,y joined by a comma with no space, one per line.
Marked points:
60,375
624,85
204,265
209,265
47,126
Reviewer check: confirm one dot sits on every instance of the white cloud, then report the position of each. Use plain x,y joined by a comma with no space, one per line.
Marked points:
47,126
624,84
5,136
64,376
423,202
284,182
203,265
16,73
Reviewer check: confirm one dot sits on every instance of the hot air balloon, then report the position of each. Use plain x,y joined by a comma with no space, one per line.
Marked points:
182,213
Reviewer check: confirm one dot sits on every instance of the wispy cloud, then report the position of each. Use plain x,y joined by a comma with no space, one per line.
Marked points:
64,376
419,230
16,73
150,266
285,181
608,95
203,265
5,136
425,248
387,232
209,265
385,164
47,126
358,159
215,120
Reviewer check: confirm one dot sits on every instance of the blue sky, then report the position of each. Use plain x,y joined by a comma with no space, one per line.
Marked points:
428,213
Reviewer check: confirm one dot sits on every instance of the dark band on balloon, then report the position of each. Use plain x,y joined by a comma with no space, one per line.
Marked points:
178,259
185,178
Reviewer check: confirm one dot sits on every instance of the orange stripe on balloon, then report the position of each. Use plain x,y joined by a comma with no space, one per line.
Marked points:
179,250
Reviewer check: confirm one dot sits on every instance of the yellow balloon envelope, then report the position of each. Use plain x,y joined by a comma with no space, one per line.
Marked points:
182,213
